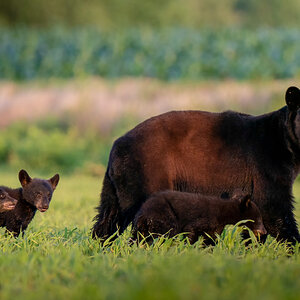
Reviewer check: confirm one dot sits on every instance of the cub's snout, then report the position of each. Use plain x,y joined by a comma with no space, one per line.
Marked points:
42,207
260,229
6,202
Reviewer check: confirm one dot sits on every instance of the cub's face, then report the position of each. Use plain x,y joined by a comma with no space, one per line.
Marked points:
257,226
38,192
250,211
6,202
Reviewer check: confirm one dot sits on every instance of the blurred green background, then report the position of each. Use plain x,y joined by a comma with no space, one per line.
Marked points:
116,14
74,75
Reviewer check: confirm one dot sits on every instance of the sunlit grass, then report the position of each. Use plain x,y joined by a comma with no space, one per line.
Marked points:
57,259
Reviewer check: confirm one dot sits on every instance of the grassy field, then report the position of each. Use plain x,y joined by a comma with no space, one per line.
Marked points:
68,127
57,259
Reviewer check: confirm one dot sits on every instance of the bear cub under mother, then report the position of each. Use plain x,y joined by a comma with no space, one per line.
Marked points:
178,212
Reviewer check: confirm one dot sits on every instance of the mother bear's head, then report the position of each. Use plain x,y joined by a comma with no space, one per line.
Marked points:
292,98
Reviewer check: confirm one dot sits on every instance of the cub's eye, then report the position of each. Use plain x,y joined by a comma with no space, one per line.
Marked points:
2,196
38,194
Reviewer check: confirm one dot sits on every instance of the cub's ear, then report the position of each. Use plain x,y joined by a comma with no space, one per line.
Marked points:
238,194
292,98
54,181
245,202
24,178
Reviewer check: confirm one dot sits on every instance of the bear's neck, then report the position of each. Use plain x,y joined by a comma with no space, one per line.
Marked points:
293,142
277,144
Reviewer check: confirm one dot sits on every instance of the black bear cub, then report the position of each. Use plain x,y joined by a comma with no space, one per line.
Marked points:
175,212
6,202
34,194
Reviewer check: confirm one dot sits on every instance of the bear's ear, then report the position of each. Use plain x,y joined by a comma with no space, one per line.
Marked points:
292,98
238,194
245,202
24,178
54,181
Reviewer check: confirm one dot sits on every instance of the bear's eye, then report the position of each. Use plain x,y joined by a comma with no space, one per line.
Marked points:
2,196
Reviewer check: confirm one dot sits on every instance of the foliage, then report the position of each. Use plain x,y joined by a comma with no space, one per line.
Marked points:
57,259
40,147
116,14
166,54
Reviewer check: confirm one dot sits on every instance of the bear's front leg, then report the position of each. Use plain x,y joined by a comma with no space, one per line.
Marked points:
14,227
283,227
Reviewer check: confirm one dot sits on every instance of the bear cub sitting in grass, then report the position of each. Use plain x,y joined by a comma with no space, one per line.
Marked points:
34,194
175,212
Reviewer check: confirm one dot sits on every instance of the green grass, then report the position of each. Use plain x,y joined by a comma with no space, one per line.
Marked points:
57,259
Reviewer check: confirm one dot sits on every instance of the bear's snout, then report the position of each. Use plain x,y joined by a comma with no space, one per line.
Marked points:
260,231
9,204
42,206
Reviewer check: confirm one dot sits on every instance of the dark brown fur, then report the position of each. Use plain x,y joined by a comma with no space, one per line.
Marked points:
34,194
6,202
179,212
207,153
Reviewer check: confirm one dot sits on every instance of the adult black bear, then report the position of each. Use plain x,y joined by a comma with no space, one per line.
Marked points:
208,153
174,212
